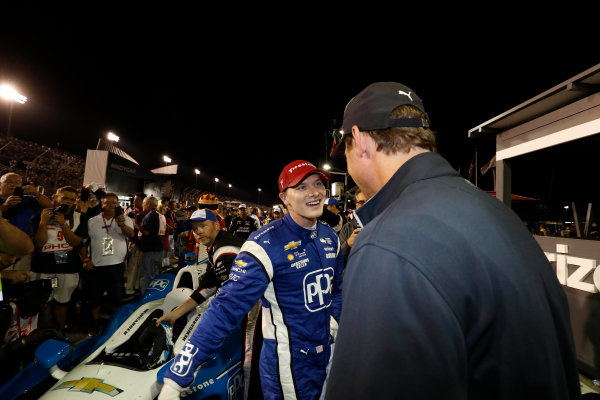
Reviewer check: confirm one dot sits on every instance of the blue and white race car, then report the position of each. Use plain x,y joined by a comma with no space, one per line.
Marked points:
128,359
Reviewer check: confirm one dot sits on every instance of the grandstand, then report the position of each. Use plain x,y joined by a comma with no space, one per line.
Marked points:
40,165
52,168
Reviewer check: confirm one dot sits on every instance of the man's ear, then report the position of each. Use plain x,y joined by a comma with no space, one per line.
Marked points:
365,145
283,198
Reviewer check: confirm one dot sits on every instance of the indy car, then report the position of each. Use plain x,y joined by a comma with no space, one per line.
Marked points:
128,359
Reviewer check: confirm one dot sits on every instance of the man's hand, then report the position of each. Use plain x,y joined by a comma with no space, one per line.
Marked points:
46,216
352,237
87,265
16,276
59,218
121,220
39,335
11,201
6,260
30,190
168,318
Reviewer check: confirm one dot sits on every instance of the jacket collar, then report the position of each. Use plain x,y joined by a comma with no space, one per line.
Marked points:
420,167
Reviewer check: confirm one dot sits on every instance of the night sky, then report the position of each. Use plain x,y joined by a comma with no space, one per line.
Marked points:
239,96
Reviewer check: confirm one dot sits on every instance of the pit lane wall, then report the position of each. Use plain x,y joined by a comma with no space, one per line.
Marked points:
575,262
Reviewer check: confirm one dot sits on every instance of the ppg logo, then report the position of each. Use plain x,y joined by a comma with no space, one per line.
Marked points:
159,284
183,361
235,386
317,285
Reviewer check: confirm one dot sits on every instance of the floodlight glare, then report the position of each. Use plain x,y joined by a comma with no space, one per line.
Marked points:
112,137
9,93
166,159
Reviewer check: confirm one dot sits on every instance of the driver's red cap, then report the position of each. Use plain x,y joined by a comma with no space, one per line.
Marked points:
296,171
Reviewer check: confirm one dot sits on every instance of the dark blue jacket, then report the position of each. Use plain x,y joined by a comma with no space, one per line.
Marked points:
448,296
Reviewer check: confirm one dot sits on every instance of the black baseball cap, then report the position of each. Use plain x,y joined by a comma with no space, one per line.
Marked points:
371,109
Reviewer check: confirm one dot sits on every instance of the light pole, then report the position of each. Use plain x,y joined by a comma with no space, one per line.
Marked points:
216,181
328,168
10,94
259,190
229,190
197,172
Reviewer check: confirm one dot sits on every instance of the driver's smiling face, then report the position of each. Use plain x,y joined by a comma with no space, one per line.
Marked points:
305,200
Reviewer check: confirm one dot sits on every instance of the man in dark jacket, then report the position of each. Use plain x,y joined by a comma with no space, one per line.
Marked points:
153,229
446,293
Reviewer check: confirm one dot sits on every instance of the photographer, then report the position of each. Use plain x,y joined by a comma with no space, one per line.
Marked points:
60,232
108,232
89,202
19,203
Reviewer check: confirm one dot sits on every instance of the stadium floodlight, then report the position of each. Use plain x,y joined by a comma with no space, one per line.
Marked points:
9,93
112,137
197,171
166,159
326,167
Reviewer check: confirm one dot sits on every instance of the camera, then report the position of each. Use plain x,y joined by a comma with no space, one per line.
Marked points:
118,211
18,192
62,209
85,194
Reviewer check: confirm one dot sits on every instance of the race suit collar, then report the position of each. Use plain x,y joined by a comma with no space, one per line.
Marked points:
300,230
420,167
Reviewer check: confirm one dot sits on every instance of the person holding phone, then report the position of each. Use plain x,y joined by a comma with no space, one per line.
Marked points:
19,203
104,270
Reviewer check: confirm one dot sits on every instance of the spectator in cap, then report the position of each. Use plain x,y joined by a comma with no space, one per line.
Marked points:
276,213
292,266
243,225
232,212
332,214
446,293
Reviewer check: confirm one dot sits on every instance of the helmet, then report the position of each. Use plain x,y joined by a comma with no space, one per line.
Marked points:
208,200
155,345
190,258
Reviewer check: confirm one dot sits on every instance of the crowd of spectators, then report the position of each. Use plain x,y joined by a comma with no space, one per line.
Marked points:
48,167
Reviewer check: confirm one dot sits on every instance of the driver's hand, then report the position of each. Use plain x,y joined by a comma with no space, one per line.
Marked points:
170,390
168,318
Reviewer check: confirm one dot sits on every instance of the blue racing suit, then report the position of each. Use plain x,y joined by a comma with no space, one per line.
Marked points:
298,274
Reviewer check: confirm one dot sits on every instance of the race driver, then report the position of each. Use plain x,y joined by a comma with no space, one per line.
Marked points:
293,266
222,247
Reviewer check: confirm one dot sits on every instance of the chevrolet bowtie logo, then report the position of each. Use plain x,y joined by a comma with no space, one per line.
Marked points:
292,245
90,385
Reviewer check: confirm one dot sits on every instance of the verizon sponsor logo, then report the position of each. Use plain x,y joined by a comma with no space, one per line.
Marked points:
578,278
